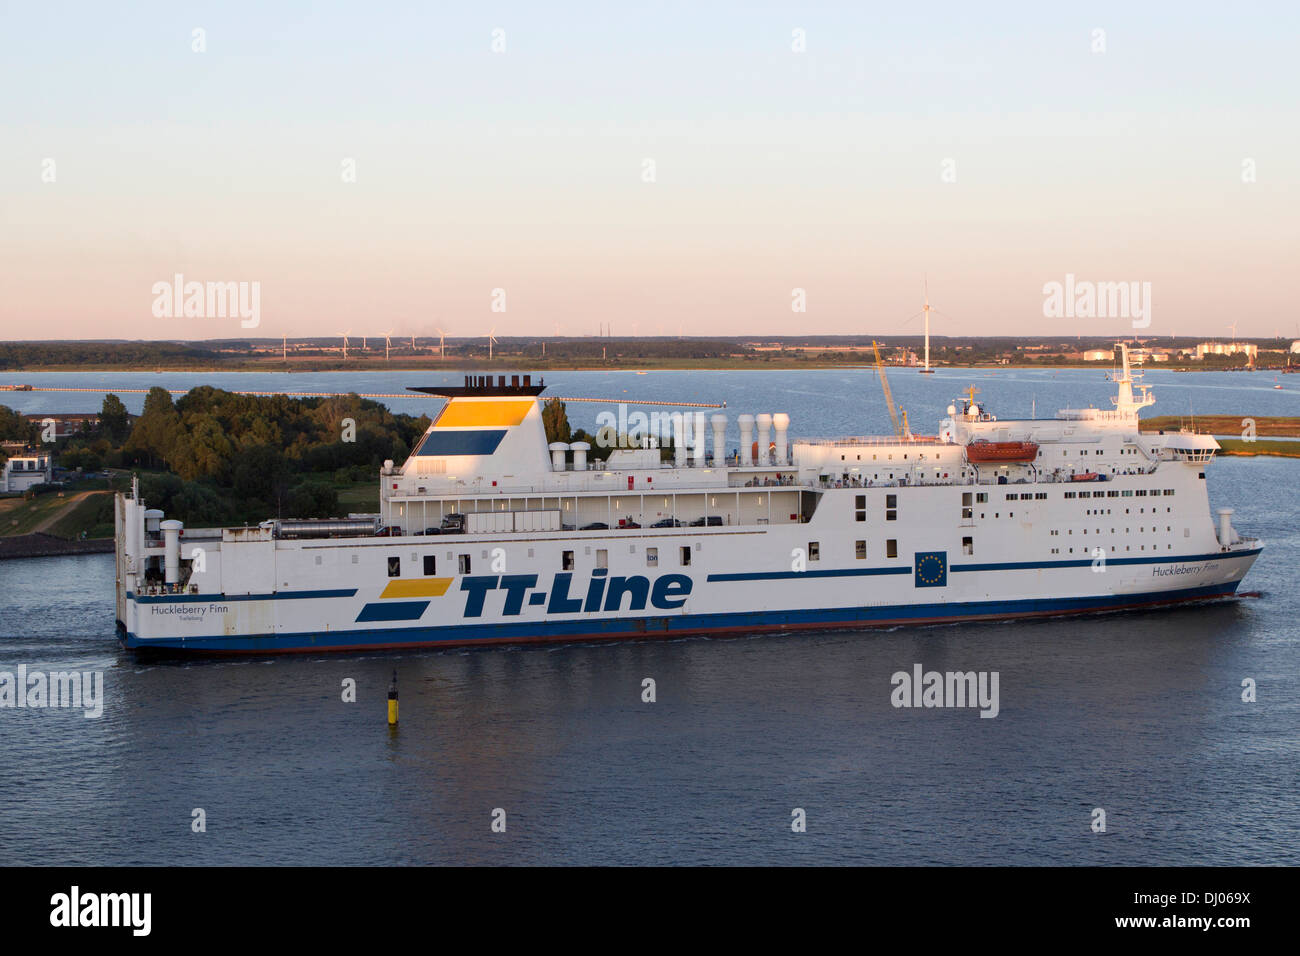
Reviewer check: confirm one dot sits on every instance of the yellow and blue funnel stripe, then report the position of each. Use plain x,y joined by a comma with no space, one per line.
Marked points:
389,609
466,427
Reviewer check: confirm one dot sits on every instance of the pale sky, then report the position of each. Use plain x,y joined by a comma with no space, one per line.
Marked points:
989,147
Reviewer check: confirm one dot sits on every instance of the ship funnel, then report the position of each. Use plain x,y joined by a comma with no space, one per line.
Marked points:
558,448
172,550
782,423
746,436
580,449
719,423
764,443
1226,535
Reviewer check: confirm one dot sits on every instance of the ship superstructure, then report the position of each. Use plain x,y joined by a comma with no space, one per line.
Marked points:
488,534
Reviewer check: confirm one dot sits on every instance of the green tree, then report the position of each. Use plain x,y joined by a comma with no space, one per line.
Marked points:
157,430
556,419
114,422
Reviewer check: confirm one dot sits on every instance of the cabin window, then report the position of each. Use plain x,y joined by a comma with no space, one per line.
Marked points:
966,498
566,561
891,502
651,557
814,551
430,564
860,507
981,497
686,555
394,566
860,550
602,558
967,545
464,564
891,548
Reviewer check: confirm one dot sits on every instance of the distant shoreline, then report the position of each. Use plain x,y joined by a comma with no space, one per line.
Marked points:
711,365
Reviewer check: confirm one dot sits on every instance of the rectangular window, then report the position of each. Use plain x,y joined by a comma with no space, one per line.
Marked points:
891,502
566,561
814,551
891,548
860,550
602,558
430,564
860,507
981,497
652,557
394,566
967,545
464,563
686,555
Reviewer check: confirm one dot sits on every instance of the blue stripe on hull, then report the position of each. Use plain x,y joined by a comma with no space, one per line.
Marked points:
589,629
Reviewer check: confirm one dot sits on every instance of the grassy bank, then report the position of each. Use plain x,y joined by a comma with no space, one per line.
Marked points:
1240,447
1275,426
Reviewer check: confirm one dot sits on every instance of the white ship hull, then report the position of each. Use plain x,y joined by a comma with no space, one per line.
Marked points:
808,541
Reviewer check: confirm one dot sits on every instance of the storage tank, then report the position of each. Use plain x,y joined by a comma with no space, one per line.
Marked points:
172,550
746,423
719,423
781,421
764,443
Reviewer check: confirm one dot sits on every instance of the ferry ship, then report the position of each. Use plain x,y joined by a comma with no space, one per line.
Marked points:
487,534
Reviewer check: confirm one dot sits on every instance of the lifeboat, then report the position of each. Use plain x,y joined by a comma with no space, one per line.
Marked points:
1001,452
1086,476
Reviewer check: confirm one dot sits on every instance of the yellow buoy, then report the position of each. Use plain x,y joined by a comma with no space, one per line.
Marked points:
392,700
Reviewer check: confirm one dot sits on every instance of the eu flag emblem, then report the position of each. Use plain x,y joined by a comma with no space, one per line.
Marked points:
931,569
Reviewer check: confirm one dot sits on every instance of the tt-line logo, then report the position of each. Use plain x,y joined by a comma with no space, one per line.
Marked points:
59,689
208,300
1083,299
74,908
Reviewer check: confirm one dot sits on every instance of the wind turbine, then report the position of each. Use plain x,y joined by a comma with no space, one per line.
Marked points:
284,349
926,310
442,346
412,343
345,342
492,337
387,343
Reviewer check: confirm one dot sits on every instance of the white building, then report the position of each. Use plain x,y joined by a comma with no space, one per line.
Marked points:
23,471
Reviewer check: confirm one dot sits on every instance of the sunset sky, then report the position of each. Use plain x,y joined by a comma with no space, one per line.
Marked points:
525,170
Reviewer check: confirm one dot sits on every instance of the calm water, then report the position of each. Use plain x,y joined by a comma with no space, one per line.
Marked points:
1139,714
